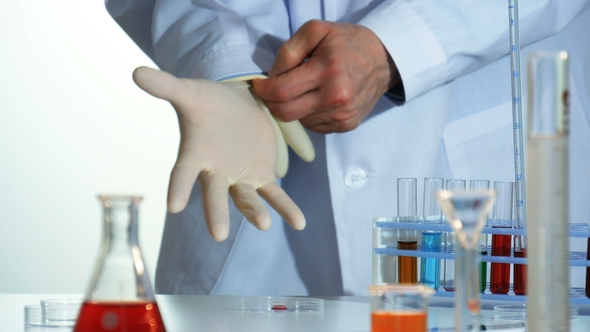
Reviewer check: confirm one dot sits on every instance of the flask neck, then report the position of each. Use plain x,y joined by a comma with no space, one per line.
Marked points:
120,273
120,221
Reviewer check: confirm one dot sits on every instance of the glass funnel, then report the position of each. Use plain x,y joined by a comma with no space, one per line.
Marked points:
120,297
466,212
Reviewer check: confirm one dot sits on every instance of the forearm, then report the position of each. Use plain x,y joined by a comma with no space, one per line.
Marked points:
433,43
205,39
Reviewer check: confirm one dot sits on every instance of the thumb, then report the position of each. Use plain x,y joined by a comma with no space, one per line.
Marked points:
299,47
157,83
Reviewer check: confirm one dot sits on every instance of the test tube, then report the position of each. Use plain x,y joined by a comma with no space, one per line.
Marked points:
431,240
501,243
450,241
407,238
519,248
547,193
588,269
483,238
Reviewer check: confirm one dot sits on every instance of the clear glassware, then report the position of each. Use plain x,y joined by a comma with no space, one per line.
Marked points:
466,212
547,192
120,297
431,240
449,241
407,238
399,307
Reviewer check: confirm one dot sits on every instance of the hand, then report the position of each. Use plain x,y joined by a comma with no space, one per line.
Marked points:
329,76
228,143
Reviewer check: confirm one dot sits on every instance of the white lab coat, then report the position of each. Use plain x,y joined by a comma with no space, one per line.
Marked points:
456,123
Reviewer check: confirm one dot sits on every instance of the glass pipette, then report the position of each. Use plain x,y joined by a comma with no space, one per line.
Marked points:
519,173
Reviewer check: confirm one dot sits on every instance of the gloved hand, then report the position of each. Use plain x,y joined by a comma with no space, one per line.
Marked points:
289,133
228,143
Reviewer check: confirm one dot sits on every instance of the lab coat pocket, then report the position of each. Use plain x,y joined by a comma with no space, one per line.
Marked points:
481,146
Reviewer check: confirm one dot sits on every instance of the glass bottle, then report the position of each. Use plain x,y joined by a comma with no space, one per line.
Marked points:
120,297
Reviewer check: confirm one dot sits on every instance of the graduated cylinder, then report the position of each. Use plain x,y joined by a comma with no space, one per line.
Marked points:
547,192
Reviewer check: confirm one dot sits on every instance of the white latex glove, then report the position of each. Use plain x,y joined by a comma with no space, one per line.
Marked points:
229,144
287,134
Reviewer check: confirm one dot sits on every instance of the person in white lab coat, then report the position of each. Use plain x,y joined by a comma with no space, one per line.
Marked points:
453,120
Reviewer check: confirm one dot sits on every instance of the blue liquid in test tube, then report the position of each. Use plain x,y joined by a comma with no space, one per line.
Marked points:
430,267
431,239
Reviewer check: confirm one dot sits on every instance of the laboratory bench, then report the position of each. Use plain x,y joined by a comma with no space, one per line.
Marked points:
212,313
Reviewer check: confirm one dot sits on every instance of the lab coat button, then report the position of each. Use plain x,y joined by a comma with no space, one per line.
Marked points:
355,178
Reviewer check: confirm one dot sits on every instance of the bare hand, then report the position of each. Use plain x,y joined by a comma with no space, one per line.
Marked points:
329,76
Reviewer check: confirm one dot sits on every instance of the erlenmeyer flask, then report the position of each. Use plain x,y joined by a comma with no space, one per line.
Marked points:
120,297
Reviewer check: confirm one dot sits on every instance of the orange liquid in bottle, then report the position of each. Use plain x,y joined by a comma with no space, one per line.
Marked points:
119,317
410,321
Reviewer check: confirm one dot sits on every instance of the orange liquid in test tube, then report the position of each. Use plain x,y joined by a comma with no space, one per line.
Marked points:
400,321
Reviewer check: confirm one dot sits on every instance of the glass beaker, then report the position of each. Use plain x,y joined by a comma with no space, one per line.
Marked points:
120,297
466,212
402,308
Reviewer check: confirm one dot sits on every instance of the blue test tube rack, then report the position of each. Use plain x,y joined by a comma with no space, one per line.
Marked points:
384,228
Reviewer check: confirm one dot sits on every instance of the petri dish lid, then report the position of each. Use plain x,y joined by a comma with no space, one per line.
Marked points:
407,289
33,315
519,312
280,304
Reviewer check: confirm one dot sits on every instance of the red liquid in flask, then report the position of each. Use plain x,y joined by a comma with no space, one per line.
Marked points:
500,272
119,317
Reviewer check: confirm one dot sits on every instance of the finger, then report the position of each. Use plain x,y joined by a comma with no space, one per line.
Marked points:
298,139
159,84
291,85
297,108
283,204
299,47
282,164
322,123
184,174
215,205
248,202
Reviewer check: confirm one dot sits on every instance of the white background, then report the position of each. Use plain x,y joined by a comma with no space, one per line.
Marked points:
73,125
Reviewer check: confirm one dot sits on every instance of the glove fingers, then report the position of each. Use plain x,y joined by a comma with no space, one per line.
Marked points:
182,179
282,152
283,204
296,136
158,83
248,202
215,205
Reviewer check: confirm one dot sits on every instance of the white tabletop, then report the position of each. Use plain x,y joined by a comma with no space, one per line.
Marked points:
194,313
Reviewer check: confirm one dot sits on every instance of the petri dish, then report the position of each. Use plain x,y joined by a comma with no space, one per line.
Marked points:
279,304
60,312
33,315
518,312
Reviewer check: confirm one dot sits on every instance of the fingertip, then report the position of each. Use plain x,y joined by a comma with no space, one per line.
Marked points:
139,73
219,234
298,223
263,223
176,205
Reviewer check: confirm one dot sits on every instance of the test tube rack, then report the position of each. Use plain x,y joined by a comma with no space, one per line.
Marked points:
385,249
